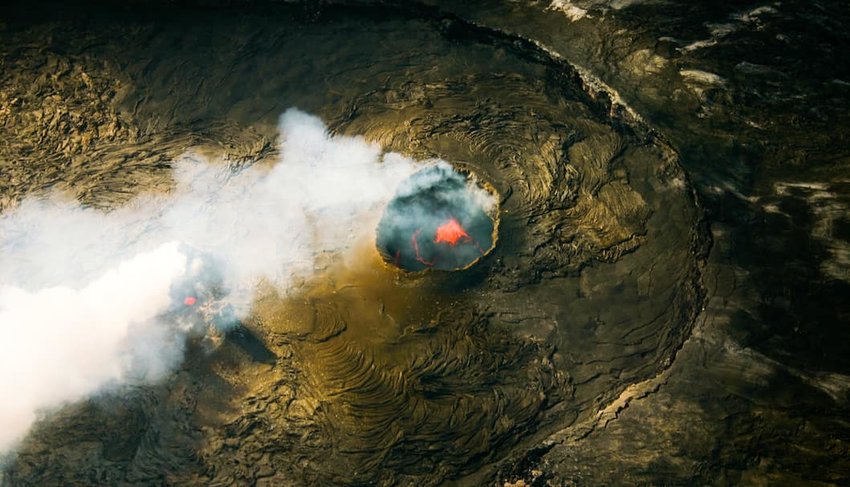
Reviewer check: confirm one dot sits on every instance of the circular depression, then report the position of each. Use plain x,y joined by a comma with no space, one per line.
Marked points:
438,219
592,287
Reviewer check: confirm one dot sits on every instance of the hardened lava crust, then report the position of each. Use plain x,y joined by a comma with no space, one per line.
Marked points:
365,376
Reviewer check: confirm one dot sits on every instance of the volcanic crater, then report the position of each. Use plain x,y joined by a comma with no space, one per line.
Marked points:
438,219
592,287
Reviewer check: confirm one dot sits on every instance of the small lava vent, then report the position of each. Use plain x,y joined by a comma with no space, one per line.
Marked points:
439,219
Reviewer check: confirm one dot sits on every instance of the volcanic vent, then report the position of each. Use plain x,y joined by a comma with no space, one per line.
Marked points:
438,219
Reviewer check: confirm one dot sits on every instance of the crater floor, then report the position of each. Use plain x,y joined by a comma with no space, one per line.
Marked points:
588,345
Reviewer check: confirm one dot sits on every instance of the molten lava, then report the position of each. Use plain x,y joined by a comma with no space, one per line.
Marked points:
414,241
451,233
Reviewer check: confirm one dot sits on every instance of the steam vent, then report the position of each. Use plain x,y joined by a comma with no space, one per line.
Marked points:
438,219
502,243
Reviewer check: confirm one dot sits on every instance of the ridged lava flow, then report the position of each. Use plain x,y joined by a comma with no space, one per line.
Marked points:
379,380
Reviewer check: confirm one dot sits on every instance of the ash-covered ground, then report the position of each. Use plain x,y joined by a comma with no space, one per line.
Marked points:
665,304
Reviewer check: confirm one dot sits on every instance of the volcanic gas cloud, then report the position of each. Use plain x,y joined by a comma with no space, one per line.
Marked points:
86,296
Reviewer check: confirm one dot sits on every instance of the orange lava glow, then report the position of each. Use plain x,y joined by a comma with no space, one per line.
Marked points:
451,233
415,243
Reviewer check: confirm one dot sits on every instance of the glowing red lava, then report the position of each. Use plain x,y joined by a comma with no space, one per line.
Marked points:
415,243
451,233
190,300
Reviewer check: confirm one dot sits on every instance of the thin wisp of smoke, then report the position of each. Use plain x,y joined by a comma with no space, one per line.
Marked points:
87,298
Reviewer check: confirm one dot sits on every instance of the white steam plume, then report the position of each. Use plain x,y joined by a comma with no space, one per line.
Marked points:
85,296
